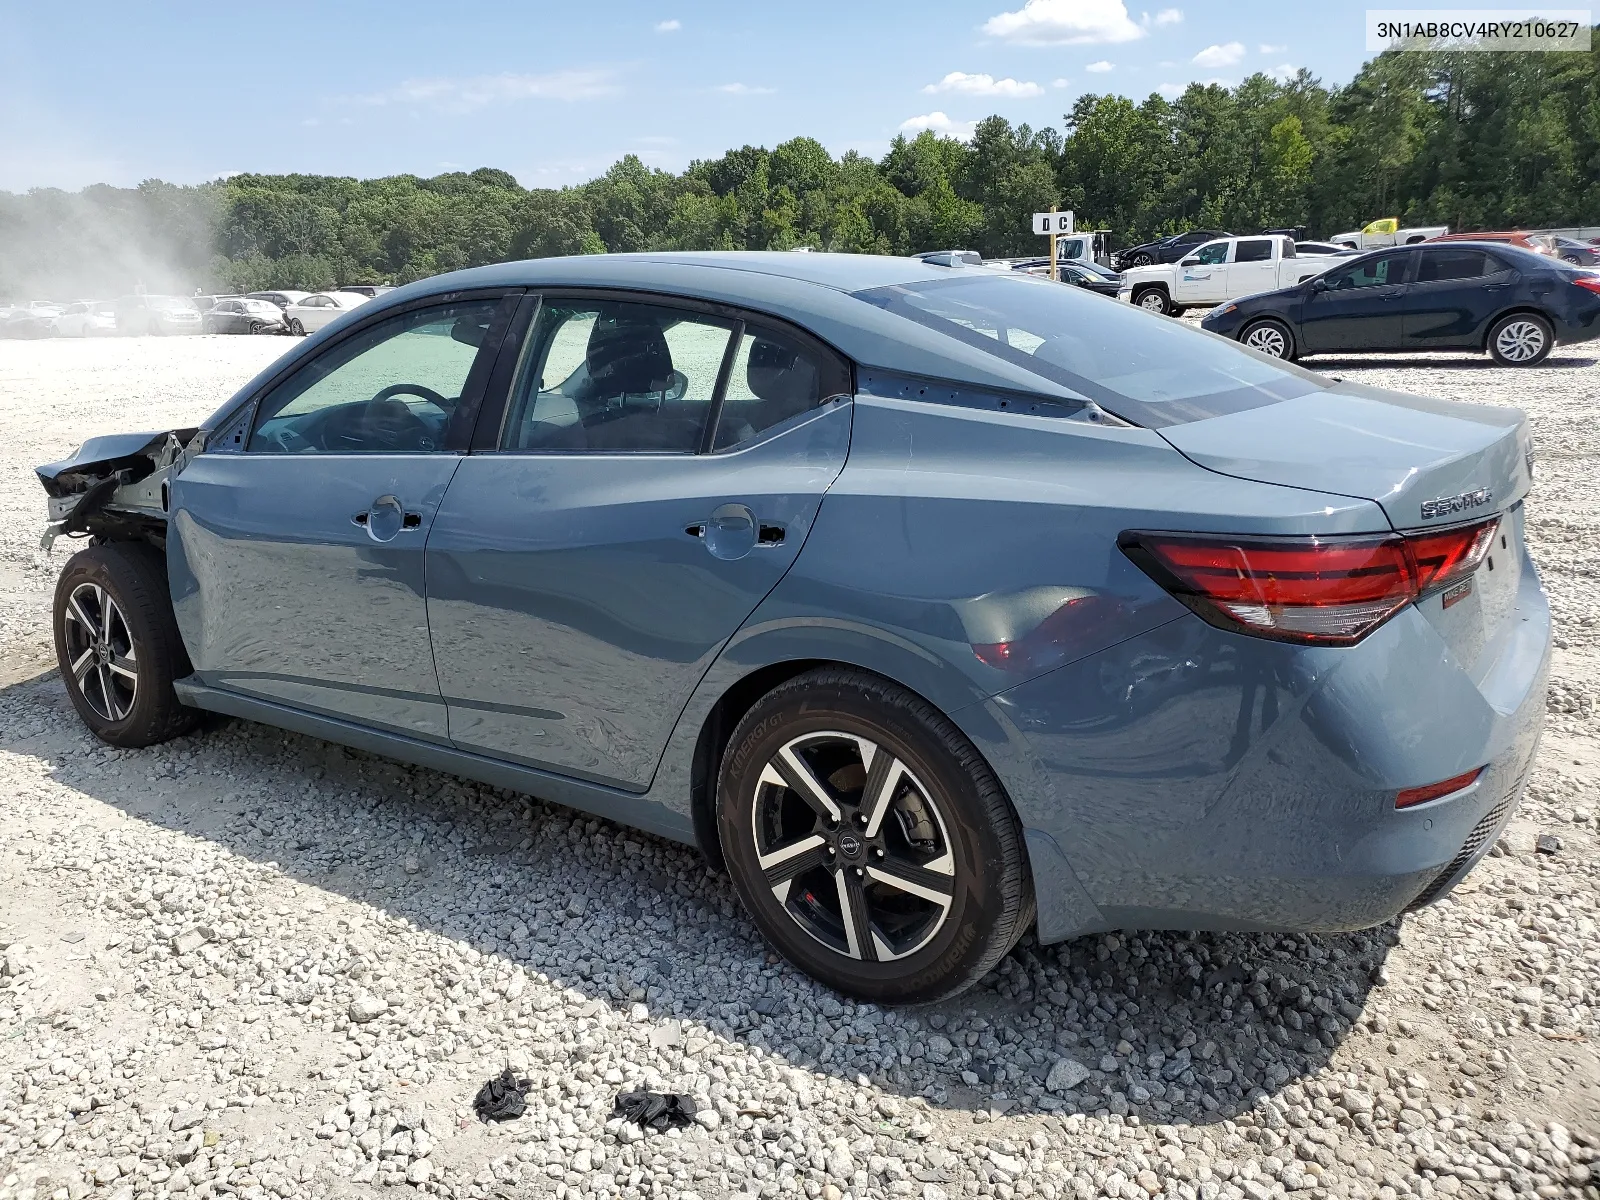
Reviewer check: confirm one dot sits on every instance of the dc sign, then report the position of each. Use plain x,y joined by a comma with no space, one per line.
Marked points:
1052,223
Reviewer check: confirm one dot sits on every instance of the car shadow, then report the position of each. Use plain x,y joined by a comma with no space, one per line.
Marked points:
1172,1027
1433,362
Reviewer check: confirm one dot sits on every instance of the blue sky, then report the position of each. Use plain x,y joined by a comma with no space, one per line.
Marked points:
119,92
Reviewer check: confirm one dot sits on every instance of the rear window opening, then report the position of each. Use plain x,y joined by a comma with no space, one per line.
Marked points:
1147,370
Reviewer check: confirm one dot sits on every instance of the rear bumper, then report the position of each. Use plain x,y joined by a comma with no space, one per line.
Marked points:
1196,779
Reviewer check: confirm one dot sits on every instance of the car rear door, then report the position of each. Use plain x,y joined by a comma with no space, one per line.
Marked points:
1458,291
1252,268
297,538
654,474
1362,306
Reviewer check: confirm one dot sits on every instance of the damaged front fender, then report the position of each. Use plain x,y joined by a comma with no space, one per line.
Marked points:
116,485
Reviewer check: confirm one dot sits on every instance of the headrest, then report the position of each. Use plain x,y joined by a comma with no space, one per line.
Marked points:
628,357
776,372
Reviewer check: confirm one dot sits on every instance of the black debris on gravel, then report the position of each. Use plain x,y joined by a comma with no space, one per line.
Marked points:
655,1110
502,1098
1548,843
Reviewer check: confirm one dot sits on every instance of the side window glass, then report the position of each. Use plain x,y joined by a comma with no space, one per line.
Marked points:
1454,264
1253,250
391,389
1374,272
1214,255
775,376
605,376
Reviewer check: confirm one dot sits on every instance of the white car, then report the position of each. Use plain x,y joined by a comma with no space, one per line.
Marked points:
87,318
311,313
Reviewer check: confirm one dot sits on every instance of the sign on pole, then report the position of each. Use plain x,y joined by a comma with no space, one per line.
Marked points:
1052,222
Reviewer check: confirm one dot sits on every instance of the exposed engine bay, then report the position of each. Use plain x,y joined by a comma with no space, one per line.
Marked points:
116,487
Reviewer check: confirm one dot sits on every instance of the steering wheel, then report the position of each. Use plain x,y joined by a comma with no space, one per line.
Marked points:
413,389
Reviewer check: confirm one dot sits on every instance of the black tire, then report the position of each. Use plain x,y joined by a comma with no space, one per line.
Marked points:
1153,299
143,637
1140,260
296,328
1520,340
257,326
1270,337
943,821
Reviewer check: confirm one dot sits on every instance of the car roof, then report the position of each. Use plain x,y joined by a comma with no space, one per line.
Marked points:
813,291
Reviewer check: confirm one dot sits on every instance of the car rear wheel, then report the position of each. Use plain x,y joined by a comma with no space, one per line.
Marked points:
1269,337
1520,340
869,841
118,646
257,326
1152,300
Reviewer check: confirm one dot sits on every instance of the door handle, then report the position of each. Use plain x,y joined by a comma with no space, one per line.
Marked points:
766,535
408,520
386,519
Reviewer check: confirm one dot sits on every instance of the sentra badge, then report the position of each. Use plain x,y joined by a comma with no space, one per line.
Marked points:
1445,505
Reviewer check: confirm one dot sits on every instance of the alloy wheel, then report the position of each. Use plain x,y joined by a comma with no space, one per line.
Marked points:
1153,302
1268,339
853,847
1520,341
100,652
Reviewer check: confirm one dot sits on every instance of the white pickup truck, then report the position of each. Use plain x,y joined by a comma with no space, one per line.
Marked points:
1379,234
1219,271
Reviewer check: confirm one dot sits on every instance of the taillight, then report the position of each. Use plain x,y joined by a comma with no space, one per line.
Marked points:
1589,283
1329,591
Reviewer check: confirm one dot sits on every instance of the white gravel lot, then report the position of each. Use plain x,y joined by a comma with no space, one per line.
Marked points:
249,963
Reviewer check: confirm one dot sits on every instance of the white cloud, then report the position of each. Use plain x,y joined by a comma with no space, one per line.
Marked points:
1283,72
1167,16
984,85
1172,90
671,26
1225,55
939,123
1101,67
1065,23
1266,49
479,91
1060,83
744,89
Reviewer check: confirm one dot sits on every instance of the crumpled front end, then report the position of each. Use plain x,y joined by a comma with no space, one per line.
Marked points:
116,486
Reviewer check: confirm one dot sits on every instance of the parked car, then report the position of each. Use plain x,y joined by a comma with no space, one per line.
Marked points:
241,314
1536,243
87,318
1220,271
1167,249
1091,277
1509,302
29,322
145,314
206,303
956,604
316,310
1323,249
1377,235
1579,254
365,289
281,299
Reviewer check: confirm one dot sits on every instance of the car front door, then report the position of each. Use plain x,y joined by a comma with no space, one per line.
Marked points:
656,471
1360,308
1458,290
296,560
1252,268
1202,281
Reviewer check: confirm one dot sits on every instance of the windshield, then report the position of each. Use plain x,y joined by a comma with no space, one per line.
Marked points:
1146,369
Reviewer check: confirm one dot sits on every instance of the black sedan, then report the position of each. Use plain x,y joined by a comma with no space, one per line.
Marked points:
1511,303
1167,249
1091,277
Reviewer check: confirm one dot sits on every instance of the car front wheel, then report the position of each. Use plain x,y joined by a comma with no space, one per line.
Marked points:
118,645
296,328
1520,340
1139,260
1153,300
869,841
1269,337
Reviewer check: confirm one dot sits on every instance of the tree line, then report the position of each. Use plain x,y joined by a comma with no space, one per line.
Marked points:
1474,141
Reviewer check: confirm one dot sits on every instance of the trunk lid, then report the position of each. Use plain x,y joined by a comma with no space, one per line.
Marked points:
1427,463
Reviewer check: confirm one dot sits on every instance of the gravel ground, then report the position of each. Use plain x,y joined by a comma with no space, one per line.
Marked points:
249,963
